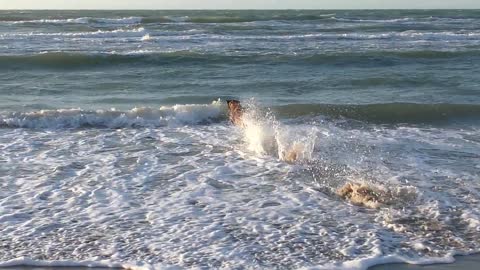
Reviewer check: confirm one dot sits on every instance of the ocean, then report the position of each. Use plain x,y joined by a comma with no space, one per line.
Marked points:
116,149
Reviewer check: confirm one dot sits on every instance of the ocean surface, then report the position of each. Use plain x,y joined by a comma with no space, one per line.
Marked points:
116,149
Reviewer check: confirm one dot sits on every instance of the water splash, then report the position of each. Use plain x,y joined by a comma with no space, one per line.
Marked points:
263,135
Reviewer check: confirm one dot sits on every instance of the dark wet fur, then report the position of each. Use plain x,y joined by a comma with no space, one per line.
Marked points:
235,112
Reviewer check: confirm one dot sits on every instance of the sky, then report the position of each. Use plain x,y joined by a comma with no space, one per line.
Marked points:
237,4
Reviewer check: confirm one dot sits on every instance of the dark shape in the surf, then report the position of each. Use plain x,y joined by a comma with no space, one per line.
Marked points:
235,112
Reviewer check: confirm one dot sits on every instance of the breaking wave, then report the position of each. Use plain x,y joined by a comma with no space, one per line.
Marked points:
259,127
135,118
225,17
126,32
172,19
81,20
99,33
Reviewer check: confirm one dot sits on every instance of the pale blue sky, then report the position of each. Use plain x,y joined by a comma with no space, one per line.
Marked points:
235,4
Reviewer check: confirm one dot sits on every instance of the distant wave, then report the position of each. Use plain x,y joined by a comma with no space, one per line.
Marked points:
81,20
443,35
99,33
180,35
125,20
408,20
204,19
396,20
138,117
388,113
66,60
53,21
173,19
236,17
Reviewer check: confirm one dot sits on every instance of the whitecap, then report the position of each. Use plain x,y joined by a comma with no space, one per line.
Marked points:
146,37
83,20
138,117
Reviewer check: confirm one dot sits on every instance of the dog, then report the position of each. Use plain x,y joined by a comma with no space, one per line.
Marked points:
362,195
235,112
376,196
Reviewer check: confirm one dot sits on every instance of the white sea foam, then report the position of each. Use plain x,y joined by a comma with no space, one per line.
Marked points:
177,19
137,117
472,217
374,20
83,20
146,37
99,33
197,196
353,36
129,32
365,263
125,20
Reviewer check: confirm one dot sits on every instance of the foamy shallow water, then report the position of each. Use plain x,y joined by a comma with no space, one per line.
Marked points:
194,194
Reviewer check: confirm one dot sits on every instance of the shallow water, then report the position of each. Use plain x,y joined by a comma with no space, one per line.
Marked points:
116,149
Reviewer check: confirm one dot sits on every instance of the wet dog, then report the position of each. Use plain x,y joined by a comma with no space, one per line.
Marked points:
375,196
362,195
235,112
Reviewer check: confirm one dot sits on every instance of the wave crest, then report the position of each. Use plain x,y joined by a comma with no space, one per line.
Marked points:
63,60
137,117
81,20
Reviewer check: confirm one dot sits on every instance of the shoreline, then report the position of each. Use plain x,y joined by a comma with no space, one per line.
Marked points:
462,262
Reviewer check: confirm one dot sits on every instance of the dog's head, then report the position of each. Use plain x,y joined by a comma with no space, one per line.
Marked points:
233,105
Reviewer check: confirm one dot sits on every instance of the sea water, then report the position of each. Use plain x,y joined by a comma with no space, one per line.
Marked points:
116,150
